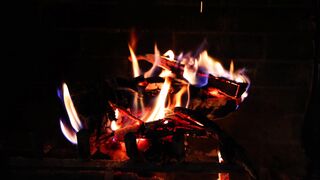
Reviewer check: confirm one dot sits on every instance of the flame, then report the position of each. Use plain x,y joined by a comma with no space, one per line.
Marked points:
68,133
116,113
220,157
76,125
190,72
158,111
197,71
206,65
222,176
114,126
170,55
231,70
166,73
177,99
135,64
71,110
155,64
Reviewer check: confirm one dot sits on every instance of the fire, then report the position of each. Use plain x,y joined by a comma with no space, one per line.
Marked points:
114,126
177,99
71,110
197,70
222,176
135,64
158,111
155,64
69,132
170,55
180,71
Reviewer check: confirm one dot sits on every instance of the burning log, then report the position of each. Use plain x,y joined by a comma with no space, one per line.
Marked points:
230,150
131,147
126,113
225,86
210,91
167,136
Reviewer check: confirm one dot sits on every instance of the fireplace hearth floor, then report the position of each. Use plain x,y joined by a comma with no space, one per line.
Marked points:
52,168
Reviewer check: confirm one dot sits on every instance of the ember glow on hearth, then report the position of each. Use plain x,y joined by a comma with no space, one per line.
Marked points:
179,95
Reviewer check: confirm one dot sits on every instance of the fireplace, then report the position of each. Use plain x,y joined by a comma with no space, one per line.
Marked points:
85,44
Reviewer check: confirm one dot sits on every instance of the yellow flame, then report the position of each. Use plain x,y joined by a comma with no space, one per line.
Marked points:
71,110
166,73
158,111
231,70
177,99
211,65
135,64
68,133
150,72
196,70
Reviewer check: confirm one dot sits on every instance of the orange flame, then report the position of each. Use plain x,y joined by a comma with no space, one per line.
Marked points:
158,111
155,64
177,99
196,71
135,64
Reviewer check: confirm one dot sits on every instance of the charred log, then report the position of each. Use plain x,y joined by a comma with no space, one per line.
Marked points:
83,145
230,150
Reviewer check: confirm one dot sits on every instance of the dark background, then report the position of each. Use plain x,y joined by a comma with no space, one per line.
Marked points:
84,42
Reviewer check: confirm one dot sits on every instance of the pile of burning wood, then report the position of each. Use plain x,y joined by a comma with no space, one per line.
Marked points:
147,118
